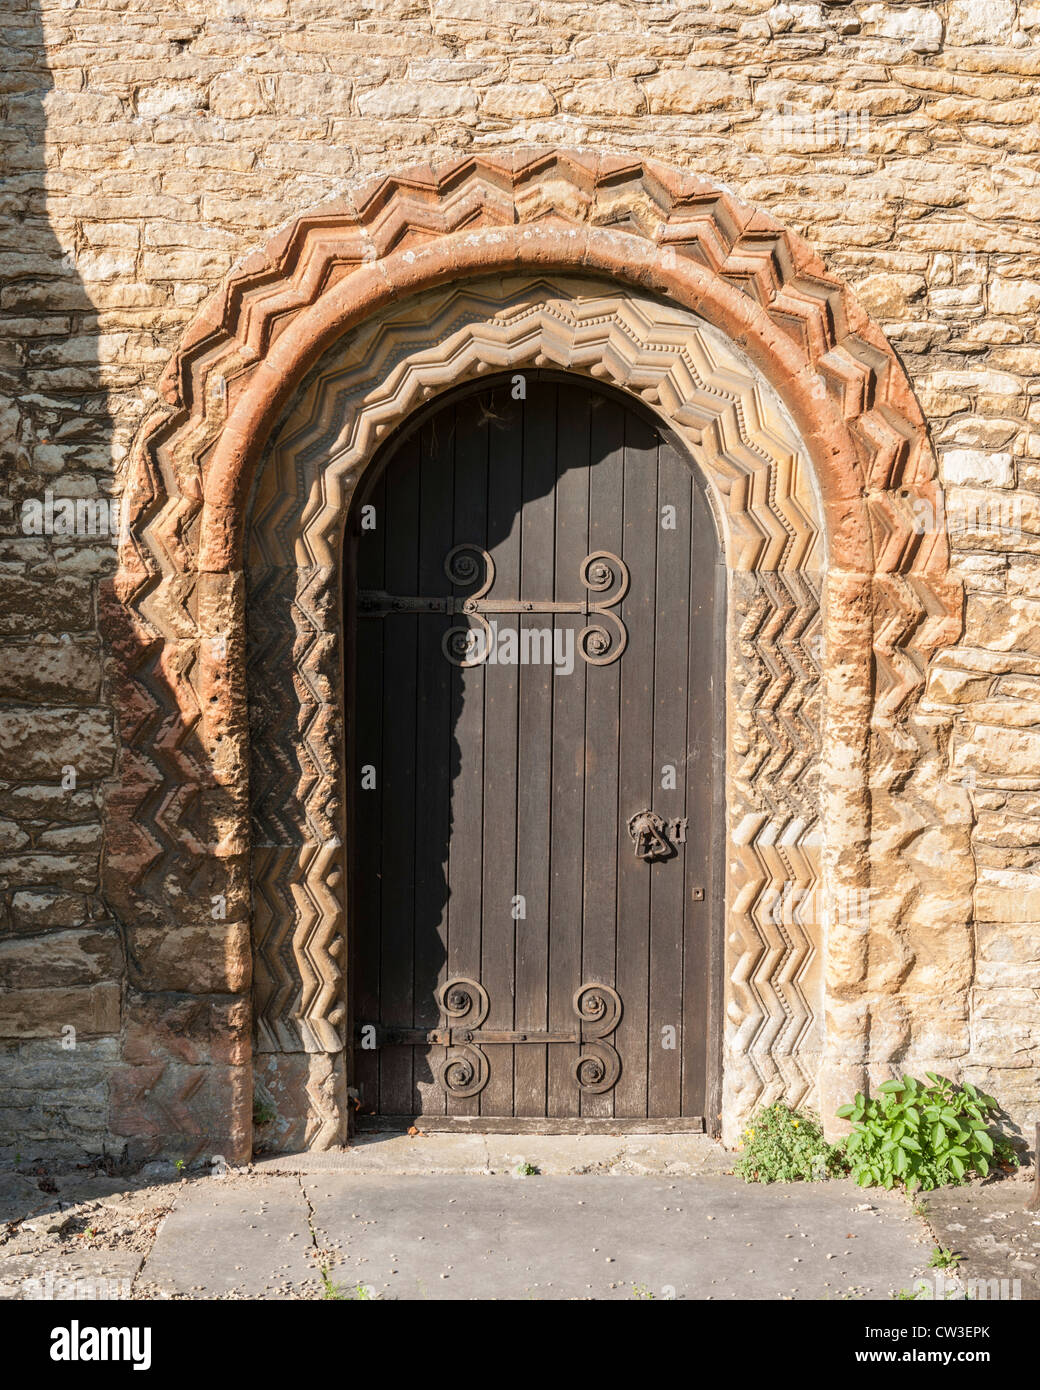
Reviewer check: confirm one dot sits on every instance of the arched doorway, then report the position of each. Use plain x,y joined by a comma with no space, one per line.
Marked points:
534,635
229,810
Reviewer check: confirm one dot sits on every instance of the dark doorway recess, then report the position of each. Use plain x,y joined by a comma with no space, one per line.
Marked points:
534,617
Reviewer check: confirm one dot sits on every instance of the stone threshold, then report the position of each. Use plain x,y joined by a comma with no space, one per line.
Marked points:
389,1153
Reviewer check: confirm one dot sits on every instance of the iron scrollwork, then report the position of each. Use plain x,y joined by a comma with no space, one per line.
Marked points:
464,1071
598,1067
600,642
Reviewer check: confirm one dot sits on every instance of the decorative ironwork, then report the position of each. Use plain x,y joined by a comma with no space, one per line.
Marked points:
599,1010
465,1071
600,642
656,838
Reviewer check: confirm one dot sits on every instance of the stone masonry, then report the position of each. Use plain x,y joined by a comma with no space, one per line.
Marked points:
147,151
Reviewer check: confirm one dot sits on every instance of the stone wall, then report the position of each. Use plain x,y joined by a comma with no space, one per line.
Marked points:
149,149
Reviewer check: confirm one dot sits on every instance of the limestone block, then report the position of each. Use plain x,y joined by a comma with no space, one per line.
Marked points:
213,958
978,466
426,100
48,668
61,958
38,911
980,21
77,872
889,295
233,96
920,26
605,99
1014,296
39,742
30,606
513,100
680,91
43,1013
1007,896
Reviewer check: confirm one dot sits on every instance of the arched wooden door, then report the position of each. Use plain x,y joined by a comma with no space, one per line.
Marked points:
534,615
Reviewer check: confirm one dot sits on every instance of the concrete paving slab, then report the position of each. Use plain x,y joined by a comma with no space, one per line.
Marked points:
73,1275
610,1237
248,1238
998,1239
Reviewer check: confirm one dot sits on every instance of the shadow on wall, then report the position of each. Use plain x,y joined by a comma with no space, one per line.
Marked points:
61,957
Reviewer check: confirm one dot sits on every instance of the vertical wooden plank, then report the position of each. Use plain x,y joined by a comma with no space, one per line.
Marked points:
568,749
701,968
465,864
602,722
432,788
534,789
398,805
636,780
366,904
501,690
667,876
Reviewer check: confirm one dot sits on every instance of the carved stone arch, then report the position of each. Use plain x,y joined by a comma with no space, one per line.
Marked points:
841,404
736,429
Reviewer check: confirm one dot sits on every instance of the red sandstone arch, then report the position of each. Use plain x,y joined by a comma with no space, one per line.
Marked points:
179,807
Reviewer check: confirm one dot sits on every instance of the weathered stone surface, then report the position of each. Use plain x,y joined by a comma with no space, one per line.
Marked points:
44,1013
36,743
980,21
55,1098
48,670
213,958
682,91
153,158
60,958
38,911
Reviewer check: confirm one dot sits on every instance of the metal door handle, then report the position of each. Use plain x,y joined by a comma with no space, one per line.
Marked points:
650,834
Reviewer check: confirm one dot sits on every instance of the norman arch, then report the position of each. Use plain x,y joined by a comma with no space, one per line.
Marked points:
815,452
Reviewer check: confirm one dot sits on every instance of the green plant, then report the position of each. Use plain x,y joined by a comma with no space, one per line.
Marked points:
784,1145
944,1259
642,1291
180,1165
526,1170
923,1136
329,1289
263,1112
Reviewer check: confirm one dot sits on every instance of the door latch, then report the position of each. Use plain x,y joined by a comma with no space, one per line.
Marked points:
654,837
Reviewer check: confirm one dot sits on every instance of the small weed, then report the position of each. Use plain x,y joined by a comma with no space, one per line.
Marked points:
642,1291
263,1112
526,1170
180,1165
944,1259
785,1145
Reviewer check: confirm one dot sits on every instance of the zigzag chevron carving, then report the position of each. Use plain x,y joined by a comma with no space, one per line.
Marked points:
774,907
179,807
741,438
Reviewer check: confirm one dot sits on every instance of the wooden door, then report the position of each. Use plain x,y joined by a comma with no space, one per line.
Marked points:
531,603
